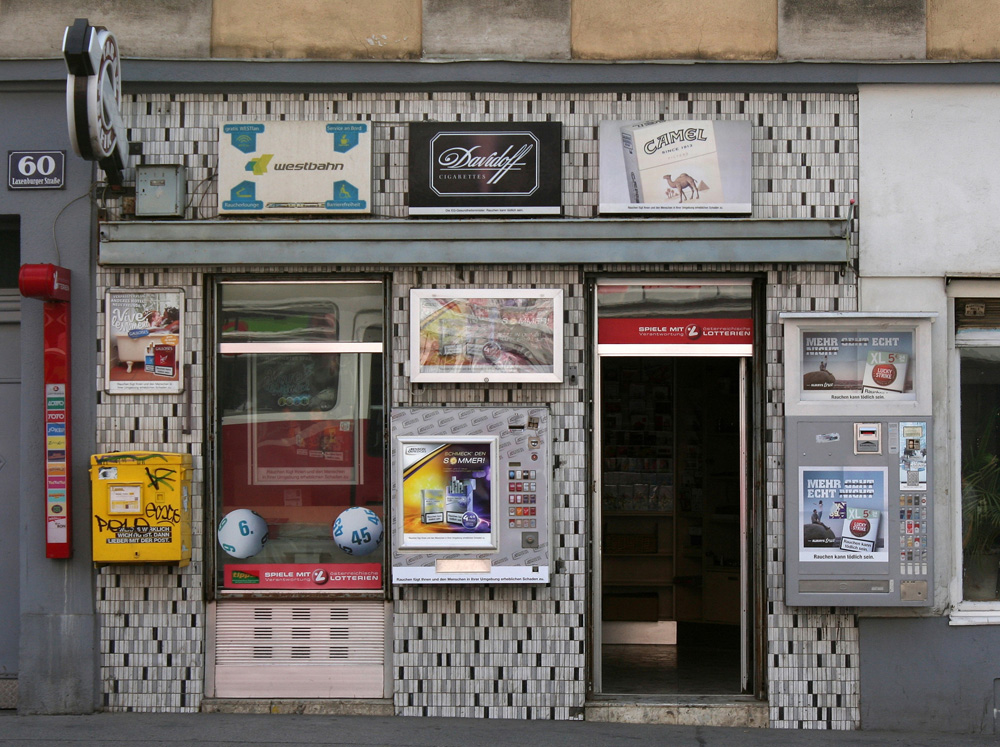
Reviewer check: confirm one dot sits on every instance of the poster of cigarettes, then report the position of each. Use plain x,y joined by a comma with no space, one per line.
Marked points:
677,166
448,493
486,335
842,512
857,365
913,456
144,335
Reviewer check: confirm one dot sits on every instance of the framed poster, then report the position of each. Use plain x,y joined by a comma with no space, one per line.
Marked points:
144,340
448,492
295,167
485,168
486,335
677,167
854,363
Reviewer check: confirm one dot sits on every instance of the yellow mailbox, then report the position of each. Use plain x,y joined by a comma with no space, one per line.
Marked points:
142,507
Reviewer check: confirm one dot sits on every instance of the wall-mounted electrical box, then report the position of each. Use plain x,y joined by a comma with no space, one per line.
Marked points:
160,190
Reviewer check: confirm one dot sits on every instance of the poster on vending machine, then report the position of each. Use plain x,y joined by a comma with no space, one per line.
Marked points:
857,365
842,512
447,498
143,346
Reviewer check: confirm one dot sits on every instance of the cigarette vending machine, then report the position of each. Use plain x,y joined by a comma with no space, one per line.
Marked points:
859,488
859,512
471,495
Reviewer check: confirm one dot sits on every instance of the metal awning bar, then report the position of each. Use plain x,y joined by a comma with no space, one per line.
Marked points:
395,242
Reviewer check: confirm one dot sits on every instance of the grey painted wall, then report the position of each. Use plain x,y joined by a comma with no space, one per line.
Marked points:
923,674
58,646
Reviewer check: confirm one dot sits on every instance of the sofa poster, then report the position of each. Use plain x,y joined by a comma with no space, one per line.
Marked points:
144,341
447,493
857,365
691,166
843,514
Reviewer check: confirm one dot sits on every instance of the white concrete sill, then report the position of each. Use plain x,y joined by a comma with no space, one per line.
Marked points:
975,613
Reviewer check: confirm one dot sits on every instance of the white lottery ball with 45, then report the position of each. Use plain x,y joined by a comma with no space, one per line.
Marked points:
358,531
242,533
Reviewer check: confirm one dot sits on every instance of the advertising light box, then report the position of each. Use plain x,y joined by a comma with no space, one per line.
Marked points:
678,167
485,168
295,167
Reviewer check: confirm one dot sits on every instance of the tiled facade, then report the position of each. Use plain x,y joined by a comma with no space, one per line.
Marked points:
502,651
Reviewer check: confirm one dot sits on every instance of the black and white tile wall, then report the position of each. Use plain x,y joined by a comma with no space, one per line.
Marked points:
505,651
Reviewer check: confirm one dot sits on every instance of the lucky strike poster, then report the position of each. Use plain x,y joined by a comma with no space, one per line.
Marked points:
843,514
447,494
857,365
143,348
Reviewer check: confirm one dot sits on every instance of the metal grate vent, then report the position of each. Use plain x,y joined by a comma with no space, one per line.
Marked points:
300,649
302,633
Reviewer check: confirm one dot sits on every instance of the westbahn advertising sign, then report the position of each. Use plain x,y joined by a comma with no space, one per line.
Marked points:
485,168
295,167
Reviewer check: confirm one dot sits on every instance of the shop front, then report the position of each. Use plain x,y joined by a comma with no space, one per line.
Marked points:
456,460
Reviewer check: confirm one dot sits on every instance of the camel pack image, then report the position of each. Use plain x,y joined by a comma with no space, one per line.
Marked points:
682,166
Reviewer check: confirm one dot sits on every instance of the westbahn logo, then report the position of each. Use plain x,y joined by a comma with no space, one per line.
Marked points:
259,165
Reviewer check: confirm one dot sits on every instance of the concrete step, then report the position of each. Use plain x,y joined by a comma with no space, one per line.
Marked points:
318,706
697,710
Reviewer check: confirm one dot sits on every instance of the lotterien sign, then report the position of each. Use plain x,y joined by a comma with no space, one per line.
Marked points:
295,167
36,169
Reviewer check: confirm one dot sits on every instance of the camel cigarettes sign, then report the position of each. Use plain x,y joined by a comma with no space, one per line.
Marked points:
676,167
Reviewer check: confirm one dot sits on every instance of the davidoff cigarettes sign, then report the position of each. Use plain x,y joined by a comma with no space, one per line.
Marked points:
485,168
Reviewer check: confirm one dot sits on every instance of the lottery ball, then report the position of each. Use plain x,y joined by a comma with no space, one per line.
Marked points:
358,531
242,533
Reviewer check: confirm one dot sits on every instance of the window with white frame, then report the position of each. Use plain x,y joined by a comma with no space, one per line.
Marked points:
977,340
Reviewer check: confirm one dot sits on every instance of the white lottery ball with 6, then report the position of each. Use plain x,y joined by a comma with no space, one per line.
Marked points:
358,531
242,533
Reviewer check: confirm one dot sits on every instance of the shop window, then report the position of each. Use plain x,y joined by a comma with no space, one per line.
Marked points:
977,338
299,392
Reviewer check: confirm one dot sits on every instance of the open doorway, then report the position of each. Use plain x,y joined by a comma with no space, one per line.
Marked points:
672,507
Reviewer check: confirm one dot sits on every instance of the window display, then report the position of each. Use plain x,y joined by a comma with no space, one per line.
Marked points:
300,450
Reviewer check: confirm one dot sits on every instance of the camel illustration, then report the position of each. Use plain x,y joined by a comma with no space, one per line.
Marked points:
683,182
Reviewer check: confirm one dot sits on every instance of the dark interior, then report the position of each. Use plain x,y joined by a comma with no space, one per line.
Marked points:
670,504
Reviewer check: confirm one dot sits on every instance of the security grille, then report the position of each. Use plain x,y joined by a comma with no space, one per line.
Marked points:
299,649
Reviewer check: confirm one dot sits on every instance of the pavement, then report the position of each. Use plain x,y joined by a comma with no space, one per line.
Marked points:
241,730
